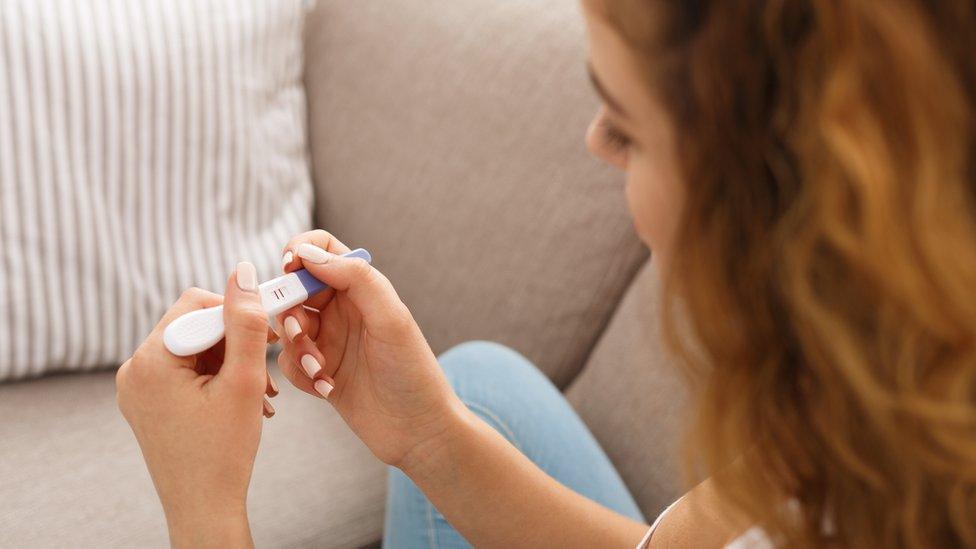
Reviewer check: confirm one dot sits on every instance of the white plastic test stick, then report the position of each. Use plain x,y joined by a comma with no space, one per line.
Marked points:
200,330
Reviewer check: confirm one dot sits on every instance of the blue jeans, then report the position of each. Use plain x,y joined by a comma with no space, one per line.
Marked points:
518,401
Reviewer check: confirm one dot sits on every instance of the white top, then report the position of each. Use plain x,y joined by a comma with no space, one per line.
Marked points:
753,538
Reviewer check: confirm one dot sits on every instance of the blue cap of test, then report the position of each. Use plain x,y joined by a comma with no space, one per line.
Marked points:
313,285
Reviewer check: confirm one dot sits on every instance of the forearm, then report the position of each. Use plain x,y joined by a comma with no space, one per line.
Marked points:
496,497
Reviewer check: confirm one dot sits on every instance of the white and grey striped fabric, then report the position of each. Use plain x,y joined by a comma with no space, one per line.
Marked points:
145,146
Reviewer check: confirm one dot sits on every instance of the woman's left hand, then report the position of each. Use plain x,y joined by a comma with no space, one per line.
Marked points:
198,419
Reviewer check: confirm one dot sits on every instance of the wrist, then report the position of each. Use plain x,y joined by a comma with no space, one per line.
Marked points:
208,526
436,453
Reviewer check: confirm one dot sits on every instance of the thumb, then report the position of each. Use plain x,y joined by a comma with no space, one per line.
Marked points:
371,292
245,329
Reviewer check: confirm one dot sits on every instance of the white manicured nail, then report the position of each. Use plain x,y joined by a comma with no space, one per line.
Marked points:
314,254
286,259
310,365
247,277
268,408
274,386
323,388
292,328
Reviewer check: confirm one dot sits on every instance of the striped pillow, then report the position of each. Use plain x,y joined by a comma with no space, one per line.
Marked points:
145,146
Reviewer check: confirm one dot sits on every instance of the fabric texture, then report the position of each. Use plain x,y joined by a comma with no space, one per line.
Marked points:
145,147
73,476
517,400
632,396
449,142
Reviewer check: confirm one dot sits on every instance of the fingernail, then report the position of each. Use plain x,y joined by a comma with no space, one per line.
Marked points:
292,328
314,254
268,408
323,388
275,328
286,259
310,365
274,386
247,277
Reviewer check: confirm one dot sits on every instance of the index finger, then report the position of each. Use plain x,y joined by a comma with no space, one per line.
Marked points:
322,239
191,299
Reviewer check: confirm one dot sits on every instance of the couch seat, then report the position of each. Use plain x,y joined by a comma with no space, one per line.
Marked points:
73,475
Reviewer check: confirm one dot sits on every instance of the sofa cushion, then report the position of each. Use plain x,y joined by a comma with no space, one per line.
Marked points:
448,140
73,475
633,398
145,147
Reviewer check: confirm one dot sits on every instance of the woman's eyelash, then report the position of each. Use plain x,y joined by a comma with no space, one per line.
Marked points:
615,138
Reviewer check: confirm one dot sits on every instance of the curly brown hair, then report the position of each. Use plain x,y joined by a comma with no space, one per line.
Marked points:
826,260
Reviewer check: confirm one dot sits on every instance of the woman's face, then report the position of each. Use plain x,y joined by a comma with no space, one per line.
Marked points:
632,132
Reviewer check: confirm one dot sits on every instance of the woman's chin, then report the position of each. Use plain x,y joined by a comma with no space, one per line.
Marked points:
641,233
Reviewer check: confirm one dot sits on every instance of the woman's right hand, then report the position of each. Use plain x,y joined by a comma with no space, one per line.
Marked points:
358,346
390,389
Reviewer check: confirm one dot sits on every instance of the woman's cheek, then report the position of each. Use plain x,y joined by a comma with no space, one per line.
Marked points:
654,199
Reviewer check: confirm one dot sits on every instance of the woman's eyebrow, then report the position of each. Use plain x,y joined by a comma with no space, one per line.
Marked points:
612,103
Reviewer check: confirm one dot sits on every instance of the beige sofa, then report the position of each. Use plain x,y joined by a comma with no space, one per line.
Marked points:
448,140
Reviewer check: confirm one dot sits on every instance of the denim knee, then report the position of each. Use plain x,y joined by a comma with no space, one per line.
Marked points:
516,399
489,362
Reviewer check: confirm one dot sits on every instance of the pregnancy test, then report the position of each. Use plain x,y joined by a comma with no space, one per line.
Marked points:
197,331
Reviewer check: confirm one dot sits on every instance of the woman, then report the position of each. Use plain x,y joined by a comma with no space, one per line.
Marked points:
805,173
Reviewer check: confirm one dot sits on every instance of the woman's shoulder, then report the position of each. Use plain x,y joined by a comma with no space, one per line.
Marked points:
697,520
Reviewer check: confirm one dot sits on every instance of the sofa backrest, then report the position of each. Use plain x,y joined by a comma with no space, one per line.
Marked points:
632,395
448,139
